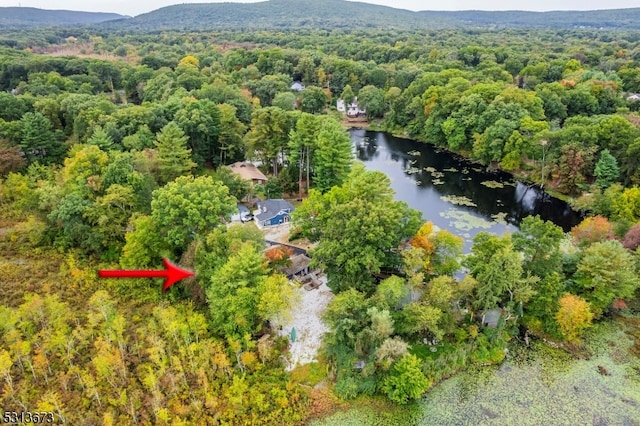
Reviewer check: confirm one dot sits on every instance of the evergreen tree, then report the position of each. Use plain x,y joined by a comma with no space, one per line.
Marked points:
332,158
607,171
100,138
173,154
37,140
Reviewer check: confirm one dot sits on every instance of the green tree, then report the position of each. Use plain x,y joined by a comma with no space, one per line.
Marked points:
101,139
37,139
200,120
347,94
405,380
498,269
144,246
606,171
371,99
241,295
285,101
189,207
359,228
332,158
232,131
605,272
313,99
269,135
302,142
269,86
238,187
539,242
173,155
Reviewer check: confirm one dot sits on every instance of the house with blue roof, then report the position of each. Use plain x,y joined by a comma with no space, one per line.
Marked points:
273,212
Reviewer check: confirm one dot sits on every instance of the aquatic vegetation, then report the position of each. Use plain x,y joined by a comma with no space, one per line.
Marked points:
536,385
434,173
450,169
414,153
465,221
412,170
458,200
492,184
500,218
437,182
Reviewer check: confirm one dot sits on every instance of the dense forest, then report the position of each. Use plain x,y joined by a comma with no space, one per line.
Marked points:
112,147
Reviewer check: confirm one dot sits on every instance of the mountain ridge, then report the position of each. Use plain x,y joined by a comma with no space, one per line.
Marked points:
20,17
328,14
336,14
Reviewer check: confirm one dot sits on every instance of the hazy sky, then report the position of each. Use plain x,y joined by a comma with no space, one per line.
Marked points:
136,7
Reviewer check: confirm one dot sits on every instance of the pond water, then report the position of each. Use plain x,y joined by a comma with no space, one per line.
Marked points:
455,194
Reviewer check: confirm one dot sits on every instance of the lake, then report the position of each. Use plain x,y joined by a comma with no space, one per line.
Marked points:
453,193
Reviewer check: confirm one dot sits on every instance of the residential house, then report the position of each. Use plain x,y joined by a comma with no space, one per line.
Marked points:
273,212
491,317
248,171
299,266
297,86
352,109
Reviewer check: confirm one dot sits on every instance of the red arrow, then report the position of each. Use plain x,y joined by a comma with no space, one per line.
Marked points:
172,273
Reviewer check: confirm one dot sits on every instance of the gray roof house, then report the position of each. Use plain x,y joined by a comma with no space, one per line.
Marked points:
273,212
297,86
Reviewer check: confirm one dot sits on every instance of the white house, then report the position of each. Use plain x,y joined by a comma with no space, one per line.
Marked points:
297,86
352,109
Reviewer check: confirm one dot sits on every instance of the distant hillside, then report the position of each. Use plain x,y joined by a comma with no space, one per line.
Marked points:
324,14
609,19
16,17
331,14
328,14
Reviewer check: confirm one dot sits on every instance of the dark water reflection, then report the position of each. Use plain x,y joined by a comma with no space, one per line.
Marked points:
450,191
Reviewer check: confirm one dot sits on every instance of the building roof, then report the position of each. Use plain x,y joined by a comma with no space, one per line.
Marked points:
491,317
299,263
270,208
297,86
247,171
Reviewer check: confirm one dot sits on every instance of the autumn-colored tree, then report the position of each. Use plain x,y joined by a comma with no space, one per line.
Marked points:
573,317
278,256
10,158
592,230
421,239
632,238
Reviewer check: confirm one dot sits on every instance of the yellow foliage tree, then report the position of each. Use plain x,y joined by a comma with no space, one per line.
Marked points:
573,317
190,60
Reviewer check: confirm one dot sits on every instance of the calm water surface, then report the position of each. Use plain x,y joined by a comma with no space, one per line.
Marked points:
455,194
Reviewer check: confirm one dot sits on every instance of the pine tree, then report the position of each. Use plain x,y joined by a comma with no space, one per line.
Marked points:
100,138
333,158
37,139
607,171
173,154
